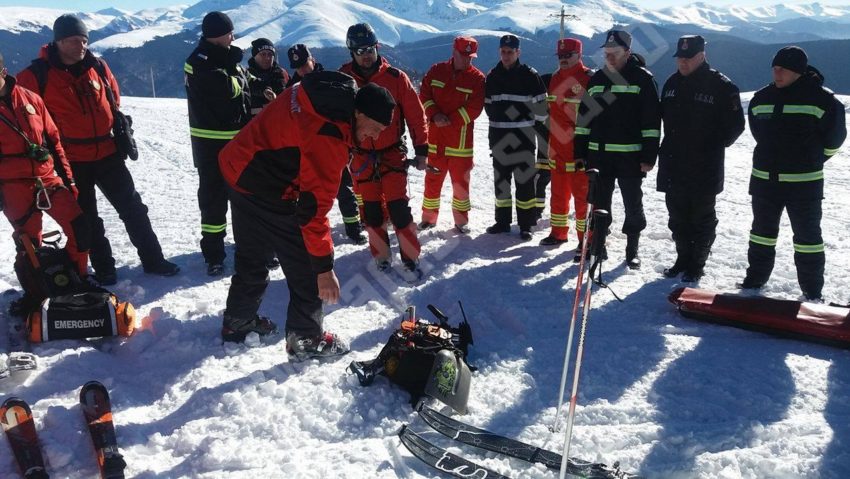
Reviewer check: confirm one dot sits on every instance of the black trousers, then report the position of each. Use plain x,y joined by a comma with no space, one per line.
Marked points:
114,181
212,198
630,188
693,218
258,225
541,181
514,158
809,258
346,200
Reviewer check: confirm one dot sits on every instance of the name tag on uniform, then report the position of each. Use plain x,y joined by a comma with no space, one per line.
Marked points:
95,84
30,109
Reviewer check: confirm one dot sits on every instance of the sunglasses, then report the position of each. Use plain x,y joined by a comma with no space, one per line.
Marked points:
365,50
567,56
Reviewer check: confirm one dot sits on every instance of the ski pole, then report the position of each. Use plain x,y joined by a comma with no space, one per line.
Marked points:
591,188
599,217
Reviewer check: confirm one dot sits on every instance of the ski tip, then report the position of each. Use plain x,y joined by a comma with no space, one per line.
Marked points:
92,386
14,401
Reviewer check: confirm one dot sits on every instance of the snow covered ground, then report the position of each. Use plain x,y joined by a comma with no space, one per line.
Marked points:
667,396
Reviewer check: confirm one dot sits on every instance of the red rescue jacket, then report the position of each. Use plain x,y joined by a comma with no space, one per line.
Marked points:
77,101
30,116
458,95
566,89
295,150
408,107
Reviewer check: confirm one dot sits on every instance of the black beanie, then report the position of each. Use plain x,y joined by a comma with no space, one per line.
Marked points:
375,102
261,44
67,26
216,24
298,55
791,58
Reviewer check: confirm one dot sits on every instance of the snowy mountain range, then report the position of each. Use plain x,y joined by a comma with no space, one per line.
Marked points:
405,23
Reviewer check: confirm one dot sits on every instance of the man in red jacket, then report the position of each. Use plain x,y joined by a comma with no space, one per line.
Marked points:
284,170
452,93
67,78
566,88
32,179
378,166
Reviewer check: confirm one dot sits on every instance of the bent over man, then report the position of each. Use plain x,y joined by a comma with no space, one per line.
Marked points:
284,169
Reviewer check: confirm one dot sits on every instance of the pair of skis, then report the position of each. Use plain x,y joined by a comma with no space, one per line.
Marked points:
459,466
17,420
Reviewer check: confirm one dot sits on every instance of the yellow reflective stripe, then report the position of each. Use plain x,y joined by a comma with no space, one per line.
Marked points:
237,88
428,103
464,115
831,151
504,203
431,203
763,175
461,152
614,147
526,205
543,166
762,240
551,98
188,69
437,84
572,100
625,89
432,148
580,225
461,205
595,90
351,219
808,248
559,220
464,90
593,146
763,109
552,164
359,199
213,228
570,167
213,134
651,133
801,177
582,131
803,110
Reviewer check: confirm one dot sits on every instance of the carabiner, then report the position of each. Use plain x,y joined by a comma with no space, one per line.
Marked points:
42,198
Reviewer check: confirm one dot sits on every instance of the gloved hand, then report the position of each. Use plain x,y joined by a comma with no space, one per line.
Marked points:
421,162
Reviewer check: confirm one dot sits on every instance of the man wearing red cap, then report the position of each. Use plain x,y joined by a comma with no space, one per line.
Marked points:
452,93
566,88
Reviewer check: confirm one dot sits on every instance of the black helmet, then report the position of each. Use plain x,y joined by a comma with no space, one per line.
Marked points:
360,35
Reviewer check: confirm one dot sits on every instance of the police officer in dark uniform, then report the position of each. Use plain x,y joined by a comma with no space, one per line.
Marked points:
798,125
617,132
515,101
702,114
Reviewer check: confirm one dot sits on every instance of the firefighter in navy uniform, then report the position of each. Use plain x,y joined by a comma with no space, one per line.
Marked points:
271,79
617,132
219,98
798,125
515,102
284,170
303,63
702,114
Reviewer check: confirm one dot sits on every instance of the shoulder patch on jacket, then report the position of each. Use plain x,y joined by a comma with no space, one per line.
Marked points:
394,71
329,129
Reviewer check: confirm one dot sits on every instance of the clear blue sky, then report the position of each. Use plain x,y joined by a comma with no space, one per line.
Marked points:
132,5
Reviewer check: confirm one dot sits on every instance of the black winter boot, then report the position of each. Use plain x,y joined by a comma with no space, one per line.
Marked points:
696,266
683,258
632,259
354,231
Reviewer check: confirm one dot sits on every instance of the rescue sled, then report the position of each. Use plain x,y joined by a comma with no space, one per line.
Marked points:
814,322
